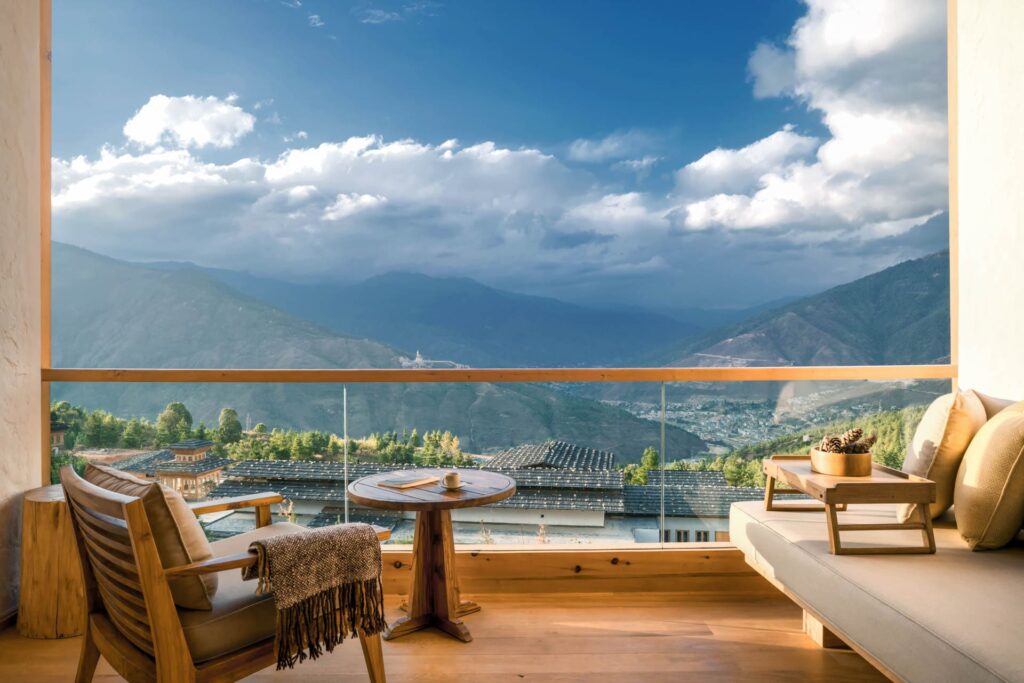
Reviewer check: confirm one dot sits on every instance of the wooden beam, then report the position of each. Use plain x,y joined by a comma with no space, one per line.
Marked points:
532,569
391,375
45,141
952,94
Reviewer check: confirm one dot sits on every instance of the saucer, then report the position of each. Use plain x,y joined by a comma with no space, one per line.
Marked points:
454,488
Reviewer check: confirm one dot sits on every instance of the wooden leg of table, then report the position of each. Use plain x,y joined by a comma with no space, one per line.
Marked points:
769,493
433,596
927,533
834,544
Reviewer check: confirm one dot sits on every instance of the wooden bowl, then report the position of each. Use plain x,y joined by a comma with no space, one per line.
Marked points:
841,464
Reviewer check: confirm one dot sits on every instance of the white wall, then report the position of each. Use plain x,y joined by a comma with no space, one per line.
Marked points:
990,69
19,278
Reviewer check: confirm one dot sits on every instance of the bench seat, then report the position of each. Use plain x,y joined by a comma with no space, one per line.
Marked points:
953,616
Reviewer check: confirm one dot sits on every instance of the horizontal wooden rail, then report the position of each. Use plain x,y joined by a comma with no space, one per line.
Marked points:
391,375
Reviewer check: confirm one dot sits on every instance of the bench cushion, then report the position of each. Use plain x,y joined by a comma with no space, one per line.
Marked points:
953,616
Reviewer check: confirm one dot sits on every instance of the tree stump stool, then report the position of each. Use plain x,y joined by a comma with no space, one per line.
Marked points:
51,603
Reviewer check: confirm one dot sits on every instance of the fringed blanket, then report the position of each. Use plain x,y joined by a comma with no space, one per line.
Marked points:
326,585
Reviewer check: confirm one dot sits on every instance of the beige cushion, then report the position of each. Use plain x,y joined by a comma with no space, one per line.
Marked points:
939,444
993,405
989,497
178,534
239,617
949,617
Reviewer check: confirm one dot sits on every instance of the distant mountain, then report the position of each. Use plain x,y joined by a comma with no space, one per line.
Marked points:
109,313
459,319
899,315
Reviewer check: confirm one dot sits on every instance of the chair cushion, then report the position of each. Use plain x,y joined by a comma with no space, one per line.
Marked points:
178,535
952,616
239,617
989,494
939,444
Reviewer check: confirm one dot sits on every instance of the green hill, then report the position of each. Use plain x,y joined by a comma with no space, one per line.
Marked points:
109,313
899,315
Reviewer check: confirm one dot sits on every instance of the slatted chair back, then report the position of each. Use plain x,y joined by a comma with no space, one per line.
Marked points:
124,577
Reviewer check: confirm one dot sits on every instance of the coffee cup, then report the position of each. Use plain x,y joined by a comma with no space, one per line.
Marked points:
451,480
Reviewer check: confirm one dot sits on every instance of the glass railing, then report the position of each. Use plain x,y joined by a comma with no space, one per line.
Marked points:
595,463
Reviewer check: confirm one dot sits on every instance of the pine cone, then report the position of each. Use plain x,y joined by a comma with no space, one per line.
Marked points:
830,444
858,447
870,440
849,438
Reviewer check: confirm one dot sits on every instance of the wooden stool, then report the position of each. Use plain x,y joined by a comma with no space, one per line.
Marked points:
52,598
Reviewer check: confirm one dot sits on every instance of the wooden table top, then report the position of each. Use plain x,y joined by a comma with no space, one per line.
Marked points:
884,485
480,488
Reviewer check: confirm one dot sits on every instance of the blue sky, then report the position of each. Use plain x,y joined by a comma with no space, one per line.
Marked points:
672,153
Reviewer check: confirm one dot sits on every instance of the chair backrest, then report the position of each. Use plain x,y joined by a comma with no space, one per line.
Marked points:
110,528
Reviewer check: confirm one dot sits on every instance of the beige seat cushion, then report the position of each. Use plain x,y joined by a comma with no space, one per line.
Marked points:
939,444
949,617
179,537
239,617
989,496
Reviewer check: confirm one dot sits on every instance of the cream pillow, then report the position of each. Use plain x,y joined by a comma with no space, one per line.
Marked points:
178,534
939,443
989,496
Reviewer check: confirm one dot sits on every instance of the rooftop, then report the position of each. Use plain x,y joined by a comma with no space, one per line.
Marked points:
191,445
560,454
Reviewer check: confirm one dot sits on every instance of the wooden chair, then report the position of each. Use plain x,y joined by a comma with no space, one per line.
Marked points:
132,619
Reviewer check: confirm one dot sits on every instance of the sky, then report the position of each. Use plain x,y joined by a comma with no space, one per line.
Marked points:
659,154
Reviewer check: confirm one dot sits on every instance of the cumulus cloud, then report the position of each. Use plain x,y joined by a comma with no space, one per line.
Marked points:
315,21
189,121
875,73
350,204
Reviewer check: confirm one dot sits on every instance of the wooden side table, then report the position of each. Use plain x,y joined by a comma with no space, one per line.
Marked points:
884,485
434,597
51,601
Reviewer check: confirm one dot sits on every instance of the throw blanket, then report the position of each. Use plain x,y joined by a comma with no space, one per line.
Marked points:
326,585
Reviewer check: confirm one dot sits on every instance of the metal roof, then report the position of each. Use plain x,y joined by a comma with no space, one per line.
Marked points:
557,454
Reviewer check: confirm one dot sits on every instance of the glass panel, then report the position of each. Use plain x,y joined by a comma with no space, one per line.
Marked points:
587,471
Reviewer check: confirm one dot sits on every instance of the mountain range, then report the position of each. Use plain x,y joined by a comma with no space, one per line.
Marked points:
896,316
110,313
464,321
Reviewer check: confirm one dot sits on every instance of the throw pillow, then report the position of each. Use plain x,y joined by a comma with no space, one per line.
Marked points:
178,535
989,496
939,444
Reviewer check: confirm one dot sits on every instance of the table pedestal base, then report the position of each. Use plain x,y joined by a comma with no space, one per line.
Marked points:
434,595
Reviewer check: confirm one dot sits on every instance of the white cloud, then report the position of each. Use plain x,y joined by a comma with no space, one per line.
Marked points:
615,146
298,135
771,68
189,121
736,170
350,204
641,167
315,21
874,70
378,16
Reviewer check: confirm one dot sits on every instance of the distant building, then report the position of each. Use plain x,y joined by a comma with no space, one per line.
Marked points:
584,504
57,431
185,467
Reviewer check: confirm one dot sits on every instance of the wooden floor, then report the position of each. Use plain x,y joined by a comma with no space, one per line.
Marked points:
647,637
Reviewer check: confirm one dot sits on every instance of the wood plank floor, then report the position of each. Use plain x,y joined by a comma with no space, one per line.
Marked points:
553,638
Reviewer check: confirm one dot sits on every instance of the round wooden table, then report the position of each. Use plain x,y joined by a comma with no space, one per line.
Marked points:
434,598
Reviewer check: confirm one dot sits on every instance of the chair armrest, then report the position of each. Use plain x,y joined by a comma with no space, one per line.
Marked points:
250,501
213,565
236,561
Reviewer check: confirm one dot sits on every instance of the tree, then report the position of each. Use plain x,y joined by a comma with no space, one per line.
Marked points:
260,428
133,434
174,423
230,428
